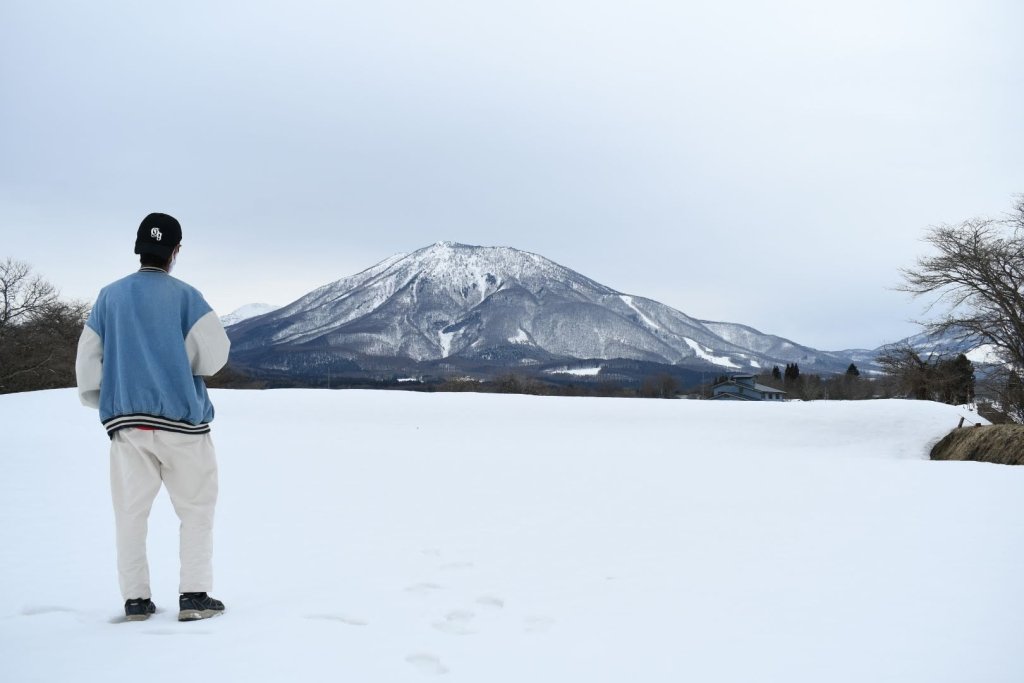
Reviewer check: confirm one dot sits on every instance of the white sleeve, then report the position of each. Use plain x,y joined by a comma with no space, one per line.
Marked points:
89,367
207,345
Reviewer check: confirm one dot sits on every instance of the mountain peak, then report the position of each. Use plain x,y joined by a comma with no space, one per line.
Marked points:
247,311
448,244
464,264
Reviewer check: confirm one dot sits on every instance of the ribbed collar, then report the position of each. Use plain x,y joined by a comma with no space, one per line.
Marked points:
152,269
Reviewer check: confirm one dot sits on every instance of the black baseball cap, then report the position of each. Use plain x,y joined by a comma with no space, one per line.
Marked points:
158,234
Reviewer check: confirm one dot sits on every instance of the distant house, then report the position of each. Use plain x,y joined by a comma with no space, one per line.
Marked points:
744,388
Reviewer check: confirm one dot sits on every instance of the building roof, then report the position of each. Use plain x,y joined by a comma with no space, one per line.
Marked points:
768,390
763,388
730,396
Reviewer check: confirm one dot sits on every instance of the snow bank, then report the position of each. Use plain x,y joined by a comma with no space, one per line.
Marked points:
387,536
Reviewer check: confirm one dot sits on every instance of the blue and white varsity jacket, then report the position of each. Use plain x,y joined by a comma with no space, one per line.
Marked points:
145,349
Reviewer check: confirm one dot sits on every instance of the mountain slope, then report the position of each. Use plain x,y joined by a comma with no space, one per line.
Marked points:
452,303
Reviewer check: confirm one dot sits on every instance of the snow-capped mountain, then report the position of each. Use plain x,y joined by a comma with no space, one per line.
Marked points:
454,304
245,312
949,343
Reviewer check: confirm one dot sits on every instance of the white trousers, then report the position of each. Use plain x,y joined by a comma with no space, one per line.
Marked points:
187,465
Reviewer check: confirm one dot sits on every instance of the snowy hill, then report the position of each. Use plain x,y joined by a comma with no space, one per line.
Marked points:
388,536
951,343
457,306
930,346
245,312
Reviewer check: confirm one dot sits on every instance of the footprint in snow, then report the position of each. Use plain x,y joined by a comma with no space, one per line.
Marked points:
427,664
490,601
457,623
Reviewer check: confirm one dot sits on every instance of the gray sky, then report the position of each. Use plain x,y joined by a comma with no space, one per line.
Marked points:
771,164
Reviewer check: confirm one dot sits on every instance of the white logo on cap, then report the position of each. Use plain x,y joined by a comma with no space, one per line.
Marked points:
156,234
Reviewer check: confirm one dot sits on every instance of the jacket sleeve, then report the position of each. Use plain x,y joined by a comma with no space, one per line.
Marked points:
89,367
207,345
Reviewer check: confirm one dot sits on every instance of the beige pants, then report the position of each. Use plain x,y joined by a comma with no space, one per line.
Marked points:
187,464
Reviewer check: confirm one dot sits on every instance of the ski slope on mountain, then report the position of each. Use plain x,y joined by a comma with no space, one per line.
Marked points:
396,536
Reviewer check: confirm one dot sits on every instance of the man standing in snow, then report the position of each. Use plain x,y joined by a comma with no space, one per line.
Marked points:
145,349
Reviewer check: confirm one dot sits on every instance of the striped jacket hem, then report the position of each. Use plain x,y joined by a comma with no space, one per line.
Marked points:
155,422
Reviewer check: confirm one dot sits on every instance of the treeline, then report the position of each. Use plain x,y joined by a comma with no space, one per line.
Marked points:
848,386
933,378
999,392
938,378
811,387
39,331
946,379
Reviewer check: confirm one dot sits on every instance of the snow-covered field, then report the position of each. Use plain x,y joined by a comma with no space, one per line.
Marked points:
387,536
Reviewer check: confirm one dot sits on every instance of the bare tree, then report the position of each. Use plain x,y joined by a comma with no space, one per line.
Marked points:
660,386
910,373
38,331
22,294
978,277
934,378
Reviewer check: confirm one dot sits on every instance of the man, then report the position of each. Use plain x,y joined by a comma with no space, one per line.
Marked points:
145,349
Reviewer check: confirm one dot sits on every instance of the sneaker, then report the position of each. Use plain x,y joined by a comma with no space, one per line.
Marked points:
195,606
138,609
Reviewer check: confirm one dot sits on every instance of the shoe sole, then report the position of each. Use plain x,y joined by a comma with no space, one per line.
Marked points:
136,617
197,614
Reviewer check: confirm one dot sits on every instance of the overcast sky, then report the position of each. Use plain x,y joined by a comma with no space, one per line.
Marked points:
767,163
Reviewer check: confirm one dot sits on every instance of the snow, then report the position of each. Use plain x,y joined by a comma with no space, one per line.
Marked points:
445,339
388,536
628,300
705,353
986,353
247,311
580,372
521,337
